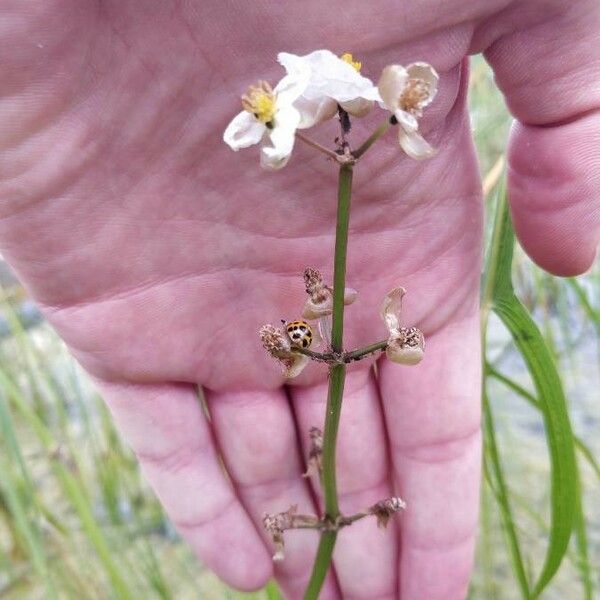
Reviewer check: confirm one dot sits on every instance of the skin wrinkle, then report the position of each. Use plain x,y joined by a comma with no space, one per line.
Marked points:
220,513
436,450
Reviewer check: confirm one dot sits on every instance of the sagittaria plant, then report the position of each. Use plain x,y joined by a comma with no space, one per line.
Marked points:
318,87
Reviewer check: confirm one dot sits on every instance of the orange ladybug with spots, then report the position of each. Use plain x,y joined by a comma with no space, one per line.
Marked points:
300,333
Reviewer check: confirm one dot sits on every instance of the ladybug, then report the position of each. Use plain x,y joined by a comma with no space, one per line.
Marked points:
300,333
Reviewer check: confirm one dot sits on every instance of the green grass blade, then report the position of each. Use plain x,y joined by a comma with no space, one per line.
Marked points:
272,591
500,295
502,495
581,544
580,445
9,490
71,488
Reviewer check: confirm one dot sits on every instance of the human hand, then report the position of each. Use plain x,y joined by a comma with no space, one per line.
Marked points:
157,253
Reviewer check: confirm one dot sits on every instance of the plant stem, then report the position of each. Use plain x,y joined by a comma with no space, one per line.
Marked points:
372,139
337,376
365,351
345,357
316,146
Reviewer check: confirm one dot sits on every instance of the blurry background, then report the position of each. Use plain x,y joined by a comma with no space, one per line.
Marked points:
77,521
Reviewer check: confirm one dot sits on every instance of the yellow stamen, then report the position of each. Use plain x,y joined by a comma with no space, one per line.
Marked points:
348,58
414,95
260,101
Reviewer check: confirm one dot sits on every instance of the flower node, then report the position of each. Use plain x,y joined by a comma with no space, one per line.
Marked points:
259,100
384,509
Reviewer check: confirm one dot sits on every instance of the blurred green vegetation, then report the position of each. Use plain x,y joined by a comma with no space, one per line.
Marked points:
77,520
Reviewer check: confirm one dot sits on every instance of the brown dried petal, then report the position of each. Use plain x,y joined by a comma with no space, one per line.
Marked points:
275,341
384,509
275,524
314,464
313,280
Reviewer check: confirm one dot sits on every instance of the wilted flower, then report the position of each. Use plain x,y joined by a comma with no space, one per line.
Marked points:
406,345
269,118
320,296
275,524
384,509
315,454
406,92
333,81
280,346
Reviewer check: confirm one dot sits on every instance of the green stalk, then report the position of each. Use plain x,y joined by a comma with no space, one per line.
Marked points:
372,138
337,376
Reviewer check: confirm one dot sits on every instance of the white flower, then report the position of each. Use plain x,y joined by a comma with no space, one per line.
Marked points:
406,92
406,345
269,118
333,80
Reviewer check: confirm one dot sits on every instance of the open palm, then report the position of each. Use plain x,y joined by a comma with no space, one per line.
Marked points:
157,253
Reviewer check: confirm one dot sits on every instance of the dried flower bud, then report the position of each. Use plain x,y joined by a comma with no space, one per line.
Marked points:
314,464
275,524
406,345
275,341
320,301
313,280
406,348
384,509
278,344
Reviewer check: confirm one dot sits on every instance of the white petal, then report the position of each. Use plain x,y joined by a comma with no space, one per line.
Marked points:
407,121
427,73
391,308
334,78
293,64
391,85
358,107
281,138
316,110
243,131
414,145
294,83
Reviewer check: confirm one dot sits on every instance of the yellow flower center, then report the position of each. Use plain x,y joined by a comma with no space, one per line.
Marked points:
414,94
348,58
260,101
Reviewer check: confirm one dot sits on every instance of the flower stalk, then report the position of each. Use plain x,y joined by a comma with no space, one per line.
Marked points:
337,376
334,358
316,88
373,138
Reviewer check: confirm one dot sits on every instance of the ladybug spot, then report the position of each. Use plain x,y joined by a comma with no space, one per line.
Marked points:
305,343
